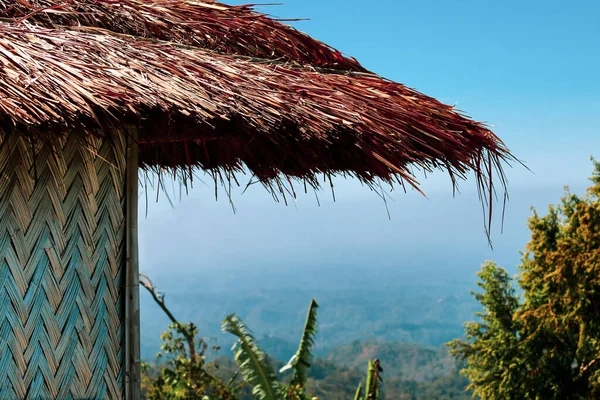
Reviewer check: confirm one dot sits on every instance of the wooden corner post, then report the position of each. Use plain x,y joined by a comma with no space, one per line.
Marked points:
132,286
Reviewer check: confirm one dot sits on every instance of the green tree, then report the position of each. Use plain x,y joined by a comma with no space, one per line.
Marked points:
184,374
492,353
545,345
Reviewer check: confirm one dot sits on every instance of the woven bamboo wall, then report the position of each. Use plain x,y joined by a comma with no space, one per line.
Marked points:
62,258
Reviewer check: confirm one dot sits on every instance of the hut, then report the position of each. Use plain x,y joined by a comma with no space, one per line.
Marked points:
92,91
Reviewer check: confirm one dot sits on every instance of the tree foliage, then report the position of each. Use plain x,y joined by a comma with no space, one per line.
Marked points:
544,344
184,374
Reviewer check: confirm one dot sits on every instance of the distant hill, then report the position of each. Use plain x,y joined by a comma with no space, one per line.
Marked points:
410,371
426,314
401,360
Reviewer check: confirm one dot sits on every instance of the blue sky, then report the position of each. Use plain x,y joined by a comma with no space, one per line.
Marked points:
529,68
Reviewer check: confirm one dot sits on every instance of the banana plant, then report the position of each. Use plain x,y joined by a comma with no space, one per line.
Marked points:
256,371
373,380
358,392
252,361
254,366
300,362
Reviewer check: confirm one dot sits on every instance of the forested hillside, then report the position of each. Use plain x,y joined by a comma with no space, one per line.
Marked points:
410,372
429,314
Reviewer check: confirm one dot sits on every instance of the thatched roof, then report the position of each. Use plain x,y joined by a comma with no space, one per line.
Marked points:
215,86
206,24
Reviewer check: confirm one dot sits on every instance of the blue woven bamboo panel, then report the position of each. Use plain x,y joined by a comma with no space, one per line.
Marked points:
62,258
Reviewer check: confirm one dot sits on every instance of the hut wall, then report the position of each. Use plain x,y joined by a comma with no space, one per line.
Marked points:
62,267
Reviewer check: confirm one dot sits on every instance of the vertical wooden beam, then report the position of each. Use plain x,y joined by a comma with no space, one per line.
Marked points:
132,288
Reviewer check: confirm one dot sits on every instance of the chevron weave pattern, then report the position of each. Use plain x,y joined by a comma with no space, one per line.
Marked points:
62,253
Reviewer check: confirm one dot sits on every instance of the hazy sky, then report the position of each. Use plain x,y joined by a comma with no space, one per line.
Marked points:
529,68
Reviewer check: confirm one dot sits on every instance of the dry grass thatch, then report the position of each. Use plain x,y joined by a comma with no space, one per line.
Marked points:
255,93
206,24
